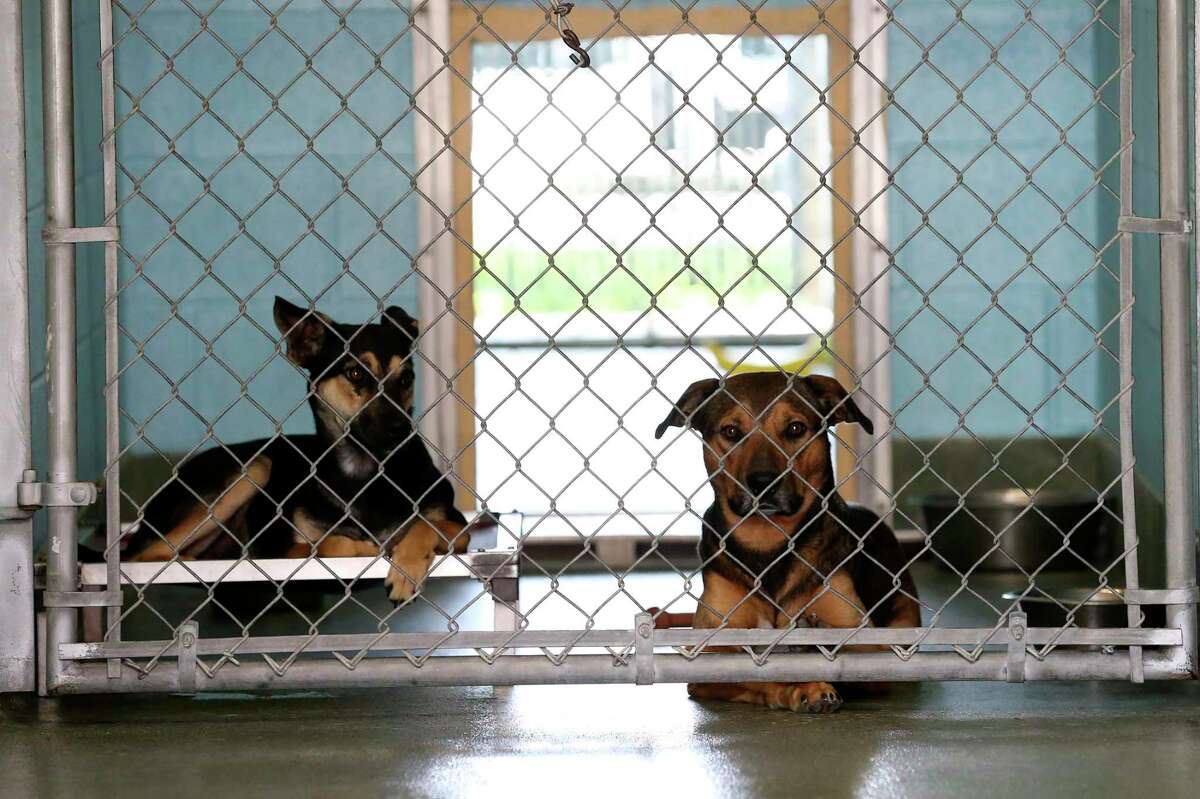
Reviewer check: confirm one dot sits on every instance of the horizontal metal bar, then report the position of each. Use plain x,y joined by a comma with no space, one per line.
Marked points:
1161,227
478,565
81,599
80,235
82,678
1161,596
968,637
649,342
10,513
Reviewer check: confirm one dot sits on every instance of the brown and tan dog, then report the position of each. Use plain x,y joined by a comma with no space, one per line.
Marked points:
777,521
363,484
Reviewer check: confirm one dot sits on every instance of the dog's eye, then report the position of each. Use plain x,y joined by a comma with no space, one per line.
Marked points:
731,432
356,374
406,379
796,429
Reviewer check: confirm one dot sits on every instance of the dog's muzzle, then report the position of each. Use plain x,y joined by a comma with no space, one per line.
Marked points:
765,494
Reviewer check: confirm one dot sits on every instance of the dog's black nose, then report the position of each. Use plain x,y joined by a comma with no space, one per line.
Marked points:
758,482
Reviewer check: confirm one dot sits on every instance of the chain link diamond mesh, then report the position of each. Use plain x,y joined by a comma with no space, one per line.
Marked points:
275,148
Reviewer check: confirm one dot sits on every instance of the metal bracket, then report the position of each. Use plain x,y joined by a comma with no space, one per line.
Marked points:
1018,623
1161,596
80,235
189,634
32,495
643,649
81,599
1161,227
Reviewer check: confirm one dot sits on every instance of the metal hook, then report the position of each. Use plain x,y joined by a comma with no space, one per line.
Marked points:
579,55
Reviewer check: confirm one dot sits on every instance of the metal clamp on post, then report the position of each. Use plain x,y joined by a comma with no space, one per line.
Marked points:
1017,625
1160,227
32,495
189,637
80,235
643,648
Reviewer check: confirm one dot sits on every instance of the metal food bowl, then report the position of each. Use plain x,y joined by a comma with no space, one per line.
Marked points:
1100,608
1028,537
1103,608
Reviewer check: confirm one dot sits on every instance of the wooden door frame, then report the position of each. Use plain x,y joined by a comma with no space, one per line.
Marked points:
524,24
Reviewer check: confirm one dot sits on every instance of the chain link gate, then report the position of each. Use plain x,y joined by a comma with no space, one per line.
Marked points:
352,156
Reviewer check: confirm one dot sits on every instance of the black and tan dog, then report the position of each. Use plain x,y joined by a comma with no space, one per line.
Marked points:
363,484
777,522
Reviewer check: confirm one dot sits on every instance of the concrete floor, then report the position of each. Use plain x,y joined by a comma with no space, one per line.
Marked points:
952,740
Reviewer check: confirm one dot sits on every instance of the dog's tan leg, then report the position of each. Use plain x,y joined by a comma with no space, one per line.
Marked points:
719,605
905,612
839,605
845,609
453,537
203,521
411,559
805,697
340,546
311,537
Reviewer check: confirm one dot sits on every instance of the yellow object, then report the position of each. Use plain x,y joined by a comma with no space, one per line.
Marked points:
813,356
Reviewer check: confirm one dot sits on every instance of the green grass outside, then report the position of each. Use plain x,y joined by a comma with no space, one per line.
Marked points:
541,287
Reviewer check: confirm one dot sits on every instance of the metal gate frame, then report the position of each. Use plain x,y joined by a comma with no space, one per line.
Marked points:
1014,651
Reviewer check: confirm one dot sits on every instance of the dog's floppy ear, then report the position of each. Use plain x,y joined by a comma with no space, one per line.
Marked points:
687,404
834,403
399,317
304,330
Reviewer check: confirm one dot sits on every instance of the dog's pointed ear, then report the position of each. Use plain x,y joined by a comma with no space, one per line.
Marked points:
834,403
684,408
304,330
399,317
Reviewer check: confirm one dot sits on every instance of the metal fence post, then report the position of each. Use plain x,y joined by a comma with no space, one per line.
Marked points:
16,527
1176,314
58,117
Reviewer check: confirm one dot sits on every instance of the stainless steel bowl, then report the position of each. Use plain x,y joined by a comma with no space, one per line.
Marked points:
1103,608
1028,537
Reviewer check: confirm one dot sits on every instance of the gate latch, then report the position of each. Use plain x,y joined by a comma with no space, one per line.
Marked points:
1018,624
32,495
643,649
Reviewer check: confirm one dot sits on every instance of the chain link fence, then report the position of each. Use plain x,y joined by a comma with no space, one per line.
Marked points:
589,210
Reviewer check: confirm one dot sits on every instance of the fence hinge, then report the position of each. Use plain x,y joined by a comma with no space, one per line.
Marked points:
1161,227
80,235
189,636
643,649
32,495
1017,625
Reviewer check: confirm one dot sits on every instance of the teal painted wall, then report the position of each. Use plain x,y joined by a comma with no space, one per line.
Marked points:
995,240
959,269
182,287
89,258
1147,334
206,145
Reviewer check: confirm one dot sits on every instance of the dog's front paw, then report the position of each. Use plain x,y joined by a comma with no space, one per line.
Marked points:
411,559
406,577
807,697
400,588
